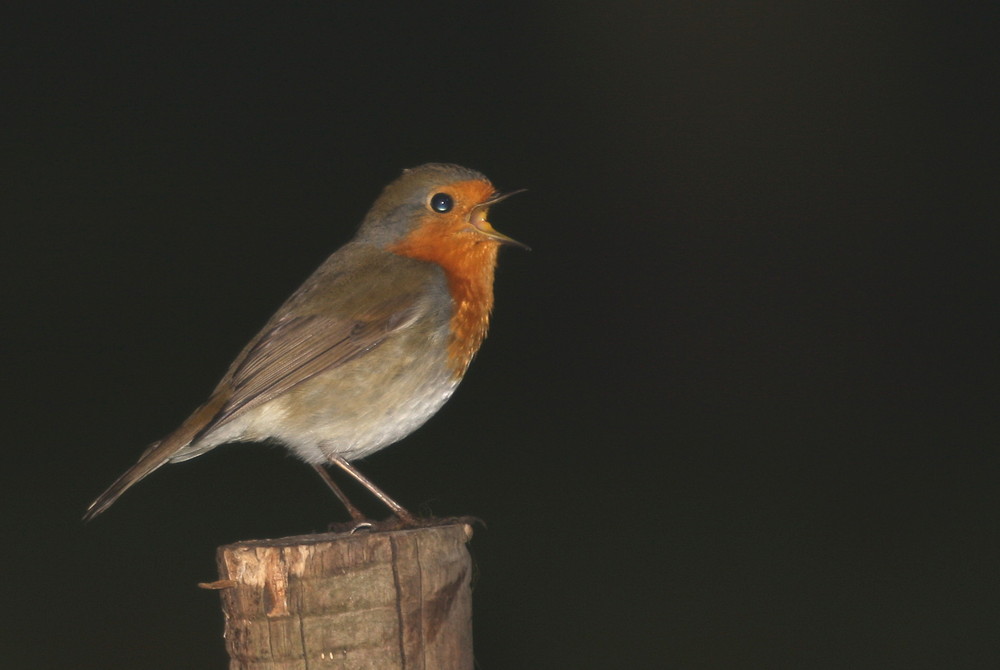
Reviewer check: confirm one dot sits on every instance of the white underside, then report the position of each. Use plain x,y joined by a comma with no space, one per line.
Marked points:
346,412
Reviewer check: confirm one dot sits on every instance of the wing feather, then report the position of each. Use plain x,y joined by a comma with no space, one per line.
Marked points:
297,348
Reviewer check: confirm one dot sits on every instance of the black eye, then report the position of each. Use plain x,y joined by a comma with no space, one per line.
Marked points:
442,202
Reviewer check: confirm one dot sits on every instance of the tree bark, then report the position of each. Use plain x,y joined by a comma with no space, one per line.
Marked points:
396,599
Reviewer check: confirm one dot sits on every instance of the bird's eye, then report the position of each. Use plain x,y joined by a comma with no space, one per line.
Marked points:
442,202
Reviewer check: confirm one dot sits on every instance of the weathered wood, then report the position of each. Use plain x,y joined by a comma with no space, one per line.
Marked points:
398,599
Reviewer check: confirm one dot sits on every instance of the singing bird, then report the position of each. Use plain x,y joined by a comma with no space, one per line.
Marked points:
369,347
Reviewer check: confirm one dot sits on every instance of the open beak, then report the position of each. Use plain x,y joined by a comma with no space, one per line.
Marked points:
478,220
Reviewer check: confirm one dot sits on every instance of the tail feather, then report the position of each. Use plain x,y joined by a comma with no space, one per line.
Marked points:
150,460
161,452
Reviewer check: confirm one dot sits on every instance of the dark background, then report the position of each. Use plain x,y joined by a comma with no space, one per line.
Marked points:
738,407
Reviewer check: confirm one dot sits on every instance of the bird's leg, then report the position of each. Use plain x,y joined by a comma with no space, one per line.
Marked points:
397,509
355,513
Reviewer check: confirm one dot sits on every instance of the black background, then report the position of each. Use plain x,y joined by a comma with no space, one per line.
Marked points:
738,406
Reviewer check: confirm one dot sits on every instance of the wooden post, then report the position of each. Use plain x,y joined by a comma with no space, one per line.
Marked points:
369,599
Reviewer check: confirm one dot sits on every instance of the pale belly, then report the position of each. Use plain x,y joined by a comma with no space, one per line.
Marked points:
351,411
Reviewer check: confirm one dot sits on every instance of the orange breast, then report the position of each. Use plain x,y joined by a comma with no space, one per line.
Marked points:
468,260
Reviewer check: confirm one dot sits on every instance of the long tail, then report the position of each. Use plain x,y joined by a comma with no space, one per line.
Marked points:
150,460
158,453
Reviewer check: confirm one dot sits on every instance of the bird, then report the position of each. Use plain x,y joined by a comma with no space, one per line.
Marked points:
371,345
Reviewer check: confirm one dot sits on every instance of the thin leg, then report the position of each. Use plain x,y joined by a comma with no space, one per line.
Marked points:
355,513
396,508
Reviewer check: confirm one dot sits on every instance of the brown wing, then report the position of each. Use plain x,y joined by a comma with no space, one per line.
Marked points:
296,348
287,353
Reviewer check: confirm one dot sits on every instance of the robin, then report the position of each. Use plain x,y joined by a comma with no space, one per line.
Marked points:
369,347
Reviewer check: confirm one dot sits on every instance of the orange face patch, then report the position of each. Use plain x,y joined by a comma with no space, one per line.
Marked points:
468,259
